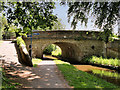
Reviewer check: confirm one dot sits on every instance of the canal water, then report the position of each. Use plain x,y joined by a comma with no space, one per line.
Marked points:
109,75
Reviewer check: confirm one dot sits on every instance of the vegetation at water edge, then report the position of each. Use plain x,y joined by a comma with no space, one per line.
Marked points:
102,61
106,73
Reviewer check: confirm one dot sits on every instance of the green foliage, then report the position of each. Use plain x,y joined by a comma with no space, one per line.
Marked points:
52,50
29,15
102,61
7,32
58,25
57,52
48,50
20,42
36,61
80,79
105,15
106,73
35,65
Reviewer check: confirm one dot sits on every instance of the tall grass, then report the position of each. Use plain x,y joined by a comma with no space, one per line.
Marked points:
102,61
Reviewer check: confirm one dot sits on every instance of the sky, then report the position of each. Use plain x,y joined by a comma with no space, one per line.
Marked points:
61,12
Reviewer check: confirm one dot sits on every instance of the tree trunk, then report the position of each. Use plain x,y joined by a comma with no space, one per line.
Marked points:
105,50
17,34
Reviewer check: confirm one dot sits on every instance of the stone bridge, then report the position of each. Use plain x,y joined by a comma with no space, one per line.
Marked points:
75,45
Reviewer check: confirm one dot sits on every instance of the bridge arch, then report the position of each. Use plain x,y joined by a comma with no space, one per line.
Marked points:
70,51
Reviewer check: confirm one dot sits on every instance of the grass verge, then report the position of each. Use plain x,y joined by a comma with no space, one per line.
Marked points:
80,79
36,61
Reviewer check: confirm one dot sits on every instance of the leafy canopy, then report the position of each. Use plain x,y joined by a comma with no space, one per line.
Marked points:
29,15
58,25
105,14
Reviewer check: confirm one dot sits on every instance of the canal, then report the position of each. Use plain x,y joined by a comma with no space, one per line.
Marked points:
111,76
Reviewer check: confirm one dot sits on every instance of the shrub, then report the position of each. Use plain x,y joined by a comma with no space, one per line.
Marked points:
48,50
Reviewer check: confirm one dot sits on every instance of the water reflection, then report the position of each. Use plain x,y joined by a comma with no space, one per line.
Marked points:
106,73
109,75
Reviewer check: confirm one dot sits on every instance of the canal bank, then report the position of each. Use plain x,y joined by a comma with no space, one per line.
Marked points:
109,75
106,74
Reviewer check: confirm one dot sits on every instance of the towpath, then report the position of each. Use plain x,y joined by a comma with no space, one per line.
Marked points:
45,75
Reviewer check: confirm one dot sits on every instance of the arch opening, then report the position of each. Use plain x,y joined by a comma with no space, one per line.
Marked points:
51,50
69,51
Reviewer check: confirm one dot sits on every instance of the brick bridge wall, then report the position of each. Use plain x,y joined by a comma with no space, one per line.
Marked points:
71,48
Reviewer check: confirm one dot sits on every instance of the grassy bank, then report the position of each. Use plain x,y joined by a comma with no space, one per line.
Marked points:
80,79
36,61
102,61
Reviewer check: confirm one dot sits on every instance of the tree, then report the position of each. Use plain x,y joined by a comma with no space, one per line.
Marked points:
5,31
3,24
58,25
29,15
106,15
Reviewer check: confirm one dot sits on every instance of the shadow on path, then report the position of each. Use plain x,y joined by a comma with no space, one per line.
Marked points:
45,75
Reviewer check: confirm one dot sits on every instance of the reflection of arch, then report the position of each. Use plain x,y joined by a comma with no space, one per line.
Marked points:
70,51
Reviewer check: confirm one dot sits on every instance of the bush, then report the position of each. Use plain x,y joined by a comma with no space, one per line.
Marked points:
48,50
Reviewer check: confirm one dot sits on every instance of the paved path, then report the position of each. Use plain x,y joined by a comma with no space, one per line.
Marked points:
45,75
8,52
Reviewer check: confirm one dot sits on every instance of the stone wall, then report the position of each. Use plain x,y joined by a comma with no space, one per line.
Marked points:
23,55
113,49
